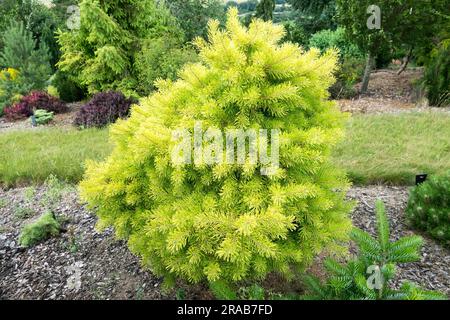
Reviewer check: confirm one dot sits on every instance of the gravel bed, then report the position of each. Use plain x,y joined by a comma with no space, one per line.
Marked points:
62,120
84,264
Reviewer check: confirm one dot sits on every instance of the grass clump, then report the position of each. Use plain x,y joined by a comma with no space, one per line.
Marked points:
29,157
43,228
23,213
394,148
388,148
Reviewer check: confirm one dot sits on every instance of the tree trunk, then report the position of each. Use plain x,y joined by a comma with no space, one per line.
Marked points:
405,62
367,71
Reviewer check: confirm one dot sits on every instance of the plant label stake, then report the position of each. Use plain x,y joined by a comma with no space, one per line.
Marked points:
33,120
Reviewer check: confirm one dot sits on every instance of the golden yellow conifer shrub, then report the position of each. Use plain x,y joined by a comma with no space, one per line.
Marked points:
228,221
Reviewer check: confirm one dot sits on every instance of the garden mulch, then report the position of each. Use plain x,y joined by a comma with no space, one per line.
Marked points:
82,263
433,269
391,93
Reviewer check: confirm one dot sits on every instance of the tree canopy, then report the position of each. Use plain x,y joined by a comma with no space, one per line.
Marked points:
102,54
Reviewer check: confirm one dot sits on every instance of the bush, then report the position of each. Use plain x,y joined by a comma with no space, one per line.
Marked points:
53,91
9,74
43,228
103,109
228,222
429,207
327,39
367,277
295,34
68,90
34,101
42,117
11,89
15,112
352,61
349,72
161,58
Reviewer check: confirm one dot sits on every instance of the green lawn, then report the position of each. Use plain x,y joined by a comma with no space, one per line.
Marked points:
378,149
31,156
393,148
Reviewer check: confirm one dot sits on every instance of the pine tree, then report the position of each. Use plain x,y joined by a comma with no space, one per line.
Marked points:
19,53
429,207
101,54
368,276
264,10
227,222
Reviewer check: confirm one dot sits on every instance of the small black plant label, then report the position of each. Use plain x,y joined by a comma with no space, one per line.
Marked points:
421,178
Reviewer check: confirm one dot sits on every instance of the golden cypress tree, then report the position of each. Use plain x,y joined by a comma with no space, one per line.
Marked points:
224,221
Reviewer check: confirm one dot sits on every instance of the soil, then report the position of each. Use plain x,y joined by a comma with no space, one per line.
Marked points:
82,263
106,267
388,93
391,93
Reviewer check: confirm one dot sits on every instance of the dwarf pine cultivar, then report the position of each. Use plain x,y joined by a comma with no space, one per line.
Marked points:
429,208
226,221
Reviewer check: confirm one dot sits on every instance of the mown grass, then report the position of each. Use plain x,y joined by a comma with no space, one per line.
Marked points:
29,157
393,148
389,148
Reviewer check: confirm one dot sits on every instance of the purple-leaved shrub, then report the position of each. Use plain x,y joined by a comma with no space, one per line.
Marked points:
104,108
